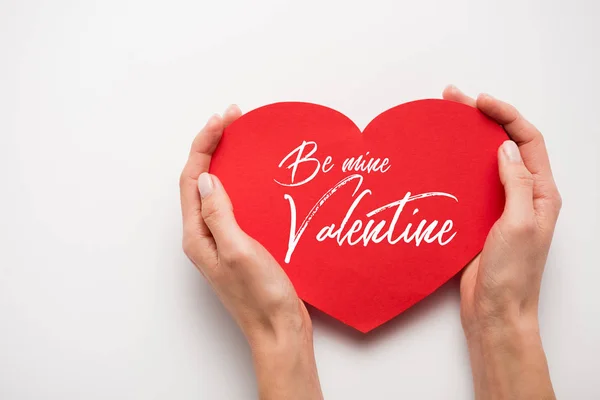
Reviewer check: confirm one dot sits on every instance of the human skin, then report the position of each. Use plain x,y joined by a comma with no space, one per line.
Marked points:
246,278
499,288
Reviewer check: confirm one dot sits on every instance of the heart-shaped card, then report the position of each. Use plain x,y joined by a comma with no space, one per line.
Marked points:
368,223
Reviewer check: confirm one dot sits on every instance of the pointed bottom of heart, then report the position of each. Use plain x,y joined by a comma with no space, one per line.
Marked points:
367,326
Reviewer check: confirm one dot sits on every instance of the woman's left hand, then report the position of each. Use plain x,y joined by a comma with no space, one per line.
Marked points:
246,278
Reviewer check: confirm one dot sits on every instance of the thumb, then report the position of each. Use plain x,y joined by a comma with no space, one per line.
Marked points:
518,185
217,211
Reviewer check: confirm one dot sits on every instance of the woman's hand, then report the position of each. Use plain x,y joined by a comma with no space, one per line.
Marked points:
246,278
500,288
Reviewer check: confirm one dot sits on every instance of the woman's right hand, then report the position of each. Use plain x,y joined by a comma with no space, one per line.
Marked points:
500,288
246,278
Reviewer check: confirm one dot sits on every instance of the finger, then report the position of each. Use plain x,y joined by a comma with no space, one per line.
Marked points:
199,159
531,146
530,140
217,213
519,129
232,113
453,93
202,149
518,186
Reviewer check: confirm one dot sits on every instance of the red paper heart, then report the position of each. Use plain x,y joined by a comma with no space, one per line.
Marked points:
440,148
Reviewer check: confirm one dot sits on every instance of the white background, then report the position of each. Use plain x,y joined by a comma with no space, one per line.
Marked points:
99,102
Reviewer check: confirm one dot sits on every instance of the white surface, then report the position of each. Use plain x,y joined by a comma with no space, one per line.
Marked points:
99,102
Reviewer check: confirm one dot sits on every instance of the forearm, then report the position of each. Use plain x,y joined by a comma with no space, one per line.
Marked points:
508,361
285,367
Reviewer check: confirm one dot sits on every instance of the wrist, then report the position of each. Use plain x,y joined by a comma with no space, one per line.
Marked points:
507,326
279,332
280,339
495,318
508,359
505,339
284,361
283,356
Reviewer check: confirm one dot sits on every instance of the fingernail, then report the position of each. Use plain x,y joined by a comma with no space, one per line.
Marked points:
454,88
511,151
212,120
231,108
484,96
205,184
